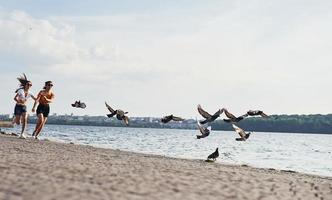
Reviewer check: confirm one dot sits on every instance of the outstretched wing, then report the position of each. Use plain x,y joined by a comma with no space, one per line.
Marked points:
204,114
264,115
239,131
109,108
229,115
82,105
257,112
166,119
177,118
245,115
200,127
203,129
219,112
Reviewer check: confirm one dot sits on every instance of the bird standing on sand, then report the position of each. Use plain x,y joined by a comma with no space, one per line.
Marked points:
232,118
214,155
168,118
207,116
204,130
120,114
78,104
244,136
257,112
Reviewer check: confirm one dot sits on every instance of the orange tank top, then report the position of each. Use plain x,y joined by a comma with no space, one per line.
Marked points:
42,99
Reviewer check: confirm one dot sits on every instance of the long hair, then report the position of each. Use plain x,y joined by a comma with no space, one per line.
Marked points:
23,81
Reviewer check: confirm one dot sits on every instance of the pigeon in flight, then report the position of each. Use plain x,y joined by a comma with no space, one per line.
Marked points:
257,112
232,118
168,118
214,155
120,114
243,135
207,116
78,104
204,130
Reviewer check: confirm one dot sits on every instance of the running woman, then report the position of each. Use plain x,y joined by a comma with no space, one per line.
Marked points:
21,98
44,98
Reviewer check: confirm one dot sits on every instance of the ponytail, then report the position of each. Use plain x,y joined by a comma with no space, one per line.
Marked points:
23,81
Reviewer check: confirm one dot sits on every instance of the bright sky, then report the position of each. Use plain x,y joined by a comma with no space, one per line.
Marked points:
153,58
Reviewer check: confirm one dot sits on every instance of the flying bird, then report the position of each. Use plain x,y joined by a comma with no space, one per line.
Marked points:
243,135
232,118
208,117
168,118
78,104
120,114
214,155
257,112
205,131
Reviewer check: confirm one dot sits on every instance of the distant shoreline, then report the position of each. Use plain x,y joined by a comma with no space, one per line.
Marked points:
313,124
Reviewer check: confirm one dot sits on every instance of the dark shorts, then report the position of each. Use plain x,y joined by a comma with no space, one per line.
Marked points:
43,109
20,109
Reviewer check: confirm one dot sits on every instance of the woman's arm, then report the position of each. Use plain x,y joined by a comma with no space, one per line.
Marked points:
33,97
36,100
18,100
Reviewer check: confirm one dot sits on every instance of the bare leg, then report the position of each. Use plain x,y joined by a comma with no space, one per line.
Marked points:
17,119
39,123
42,126
14,120
24,123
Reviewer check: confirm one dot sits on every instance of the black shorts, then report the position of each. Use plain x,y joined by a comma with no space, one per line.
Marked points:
20,109
43,109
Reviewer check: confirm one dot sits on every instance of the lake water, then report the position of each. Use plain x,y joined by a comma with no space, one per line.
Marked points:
309,153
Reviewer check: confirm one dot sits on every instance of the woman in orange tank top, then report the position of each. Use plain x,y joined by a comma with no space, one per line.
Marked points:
44,98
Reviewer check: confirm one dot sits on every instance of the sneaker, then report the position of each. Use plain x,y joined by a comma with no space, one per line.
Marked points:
22,136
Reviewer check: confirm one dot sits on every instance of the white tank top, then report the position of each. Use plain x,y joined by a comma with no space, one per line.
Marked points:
21,95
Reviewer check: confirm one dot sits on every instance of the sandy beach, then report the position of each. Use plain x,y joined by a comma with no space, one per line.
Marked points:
31,169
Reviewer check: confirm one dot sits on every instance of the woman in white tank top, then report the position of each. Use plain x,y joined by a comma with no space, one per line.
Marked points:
21,97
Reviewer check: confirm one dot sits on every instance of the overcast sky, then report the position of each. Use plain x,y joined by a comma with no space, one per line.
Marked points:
153,58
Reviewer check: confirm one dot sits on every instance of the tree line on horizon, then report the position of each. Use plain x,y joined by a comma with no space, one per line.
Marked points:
283,123
316,123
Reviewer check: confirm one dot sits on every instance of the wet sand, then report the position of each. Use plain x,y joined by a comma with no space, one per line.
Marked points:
45,170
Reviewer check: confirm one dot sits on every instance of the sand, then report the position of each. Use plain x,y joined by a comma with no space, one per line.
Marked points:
45,170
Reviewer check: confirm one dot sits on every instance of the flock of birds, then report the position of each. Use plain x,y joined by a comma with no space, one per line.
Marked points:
204,129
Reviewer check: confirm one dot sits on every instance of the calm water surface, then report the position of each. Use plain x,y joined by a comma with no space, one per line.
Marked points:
309,153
